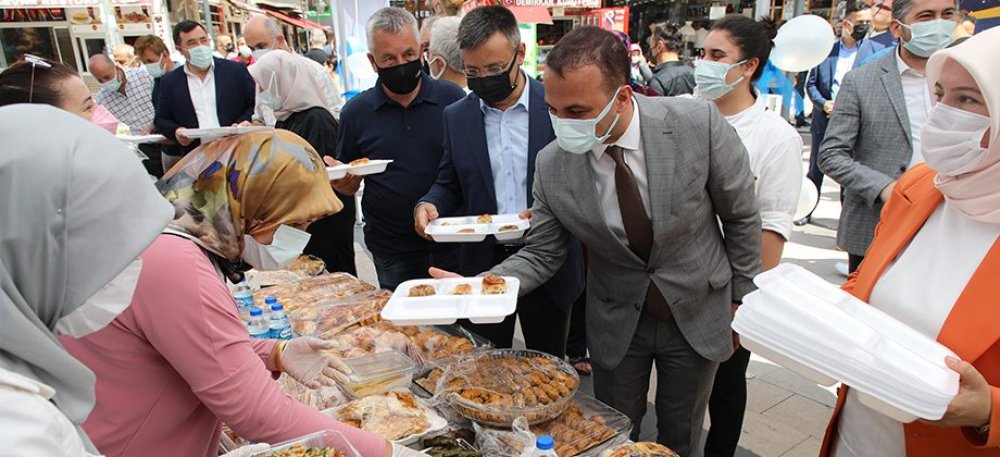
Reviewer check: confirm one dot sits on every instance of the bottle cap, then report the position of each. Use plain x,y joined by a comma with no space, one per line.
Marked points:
544,442
256,311
270,301
277,307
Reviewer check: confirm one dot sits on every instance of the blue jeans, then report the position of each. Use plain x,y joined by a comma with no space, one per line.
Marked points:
396,269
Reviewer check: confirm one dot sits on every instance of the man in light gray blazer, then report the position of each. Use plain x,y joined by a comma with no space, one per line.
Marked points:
666,206
874,132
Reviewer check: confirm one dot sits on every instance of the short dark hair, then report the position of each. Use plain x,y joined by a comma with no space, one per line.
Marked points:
591,45
854,8
16,84
185,27
754,38
482,23
669,36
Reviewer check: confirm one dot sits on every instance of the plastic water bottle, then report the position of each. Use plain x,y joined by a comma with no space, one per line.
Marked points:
244,300
257,325
268,303
281,329
544,447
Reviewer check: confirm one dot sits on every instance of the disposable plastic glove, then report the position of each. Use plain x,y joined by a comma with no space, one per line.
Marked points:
305,360
403,451
247,451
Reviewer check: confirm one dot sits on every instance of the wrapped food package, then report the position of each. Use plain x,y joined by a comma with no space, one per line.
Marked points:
378,373
642,449
325,397
331,317
397,416
327,443
505,442
312,291
586,427
496,386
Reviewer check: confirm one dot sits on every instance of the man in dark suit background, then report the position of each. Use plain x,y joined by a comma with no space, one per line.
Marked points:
491,140
206,92
824,82
880,38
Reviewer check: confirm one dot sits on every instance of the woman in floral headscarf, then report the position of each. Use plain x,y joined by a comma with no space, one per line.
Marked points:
179,362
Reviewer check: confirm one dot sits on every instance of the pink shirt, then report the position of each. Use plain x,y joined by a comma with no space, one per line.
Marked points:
178,362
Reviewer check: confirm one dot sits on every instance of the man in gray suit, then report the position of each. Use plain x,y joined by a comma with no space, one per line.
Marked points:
660,190
874,132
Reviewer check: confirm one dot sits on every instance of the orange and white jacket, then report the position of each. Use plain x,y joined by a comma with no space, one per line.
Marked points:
971,330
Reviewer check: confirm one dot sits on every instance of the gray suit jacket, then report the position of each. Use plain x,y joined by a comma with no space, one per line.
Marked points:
867,147
699,175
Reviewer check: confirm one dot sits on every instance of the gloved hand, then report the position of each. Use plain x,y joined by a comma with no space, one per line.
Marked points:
305,360
403,451
247,451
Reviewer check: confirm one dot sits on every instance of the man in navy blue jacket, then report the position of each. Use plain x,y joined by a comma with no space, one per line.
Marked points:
491,140
206,92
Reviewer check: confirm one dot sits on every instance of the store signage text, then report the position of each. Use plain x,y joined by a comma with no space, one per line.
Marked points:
61,3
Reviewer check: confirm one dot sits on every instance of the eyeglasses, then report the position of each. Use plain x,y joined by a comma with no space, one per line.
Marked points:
491,70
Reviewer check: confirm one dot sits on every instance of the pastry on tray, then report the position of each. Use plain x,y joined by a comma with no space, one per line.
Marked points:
467,230
462,289
494,285
422,290
642,449
484,219
508,228
361,161
394,416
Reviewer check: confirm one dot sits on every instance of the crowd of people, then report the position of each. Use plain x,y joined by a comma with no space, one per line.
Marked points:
656,191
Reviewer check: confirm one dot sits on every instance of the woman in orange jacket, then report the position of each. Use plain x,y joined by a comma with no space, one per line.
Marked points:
935,265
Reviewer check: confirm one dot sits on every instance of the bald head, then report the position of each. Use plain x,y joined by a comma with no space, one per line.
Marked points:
263,32
103,68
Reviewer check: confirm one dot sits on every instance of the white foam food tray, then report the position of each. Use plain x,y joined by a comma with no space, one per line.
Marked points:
141,139
504,227
444,307
372,167
219,132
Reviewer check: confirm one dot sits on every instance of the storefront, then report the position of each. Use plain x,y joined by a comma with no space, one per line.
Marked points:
70,31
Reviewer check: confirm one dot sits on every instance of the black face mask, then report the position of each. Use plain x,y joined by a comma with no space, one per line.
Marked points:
401,79
860,31
426,67
496,88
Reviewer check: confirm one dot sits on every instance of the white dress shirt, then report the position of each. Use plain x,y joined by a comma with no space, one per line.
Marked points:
775,150
919,289
845,61
918,103
203,97
604,172
507,142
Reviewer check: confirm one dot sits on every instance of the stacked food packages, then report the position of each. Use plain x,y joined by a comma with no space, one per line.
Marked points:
457,375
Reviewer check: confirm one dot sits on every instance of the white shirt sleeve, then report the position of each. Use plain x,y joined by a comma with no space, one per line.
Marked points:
779,185
31,425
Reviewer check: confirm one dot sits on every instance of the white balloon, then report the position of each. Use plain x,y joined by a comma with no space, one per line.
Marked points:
808,199
802,43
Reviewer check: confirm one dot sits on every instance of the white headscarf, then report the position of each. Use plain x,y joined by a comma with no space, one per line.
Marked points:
77,208
294,79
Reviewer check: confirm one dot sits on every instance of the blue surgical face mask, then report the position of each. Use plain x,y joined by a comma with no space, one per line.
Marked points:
710,78
929,37
112,85
580,135
270,97
201,56
155,69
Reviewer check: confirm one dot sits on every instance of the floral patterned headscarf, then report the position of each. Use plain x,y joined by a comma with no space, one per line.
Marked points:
247,184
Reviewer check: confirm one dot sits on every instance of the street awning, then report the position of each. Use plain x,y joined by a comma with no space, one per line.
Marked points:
294,21
531,14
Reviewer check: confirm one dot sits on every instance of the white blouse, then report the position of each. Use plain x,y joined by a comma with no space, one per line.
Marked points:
775,150
919,289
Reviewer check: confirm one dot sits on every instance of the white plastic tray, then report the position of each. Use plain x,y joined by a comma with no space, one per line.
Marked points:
437,423
141,139
444,308
219,132
373,167
451,229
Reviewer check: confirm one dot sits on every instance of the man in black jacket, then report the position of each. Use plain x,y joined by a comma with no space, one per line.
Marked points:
671,77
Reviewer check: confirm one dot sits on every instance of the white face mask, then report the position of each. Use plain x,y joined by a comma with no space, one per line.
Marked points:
951,140
270,97
258,53
710,78
580,135
444,65
287,245
245,51
104,306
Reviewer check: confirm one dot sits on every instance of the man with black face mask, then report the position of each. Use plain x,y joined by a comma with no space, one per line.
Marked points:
399,119
491,141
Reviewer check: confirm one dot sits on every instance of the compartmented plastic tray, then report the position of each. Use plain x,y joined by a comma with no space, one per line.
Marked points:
443,307
372,167
324,439
504,227
141,139
220,132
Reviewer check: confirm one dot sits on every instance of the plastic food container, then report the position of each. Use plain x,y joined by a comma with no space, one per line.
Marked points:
504,227
508,378
586,427
373,167
371,422
445,308
827,335
379,373
329,318
324,439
